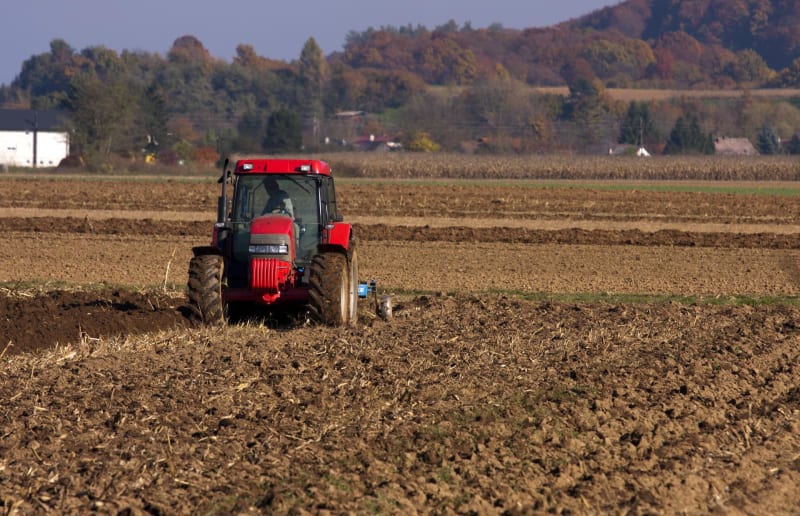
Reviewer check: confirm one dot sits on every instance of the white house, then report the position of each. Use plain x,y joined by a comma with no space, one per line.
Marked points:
26,132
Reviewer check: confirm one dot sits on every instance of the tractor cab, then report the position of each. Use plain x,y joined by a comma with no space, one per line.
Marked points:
262,204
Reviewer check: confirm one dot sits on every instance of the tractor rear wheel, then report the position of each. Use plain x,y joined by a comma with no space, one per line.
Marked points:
330,289
205,289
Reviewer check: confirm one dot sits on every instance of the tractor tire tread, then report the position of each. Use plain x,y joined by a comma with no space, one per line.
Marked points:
325,284
205,289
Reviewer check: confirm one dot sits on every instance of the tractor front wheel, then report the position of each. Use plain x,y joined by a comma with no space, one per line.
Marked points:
330,289
205,289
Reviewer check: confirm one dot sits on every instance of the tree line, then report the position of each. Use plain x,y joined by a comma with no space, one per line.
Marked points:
191,107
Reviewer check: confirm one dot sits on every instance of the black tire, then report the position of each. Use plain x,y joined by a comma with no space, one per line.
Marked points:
352,275
329,289
205,289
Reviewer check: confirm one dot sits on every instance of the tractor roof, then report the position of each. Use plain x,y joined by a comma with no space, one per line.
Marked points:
282,166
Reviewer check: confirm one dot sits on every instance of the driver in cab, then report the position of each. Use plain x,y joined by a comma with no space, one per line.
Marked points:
279,201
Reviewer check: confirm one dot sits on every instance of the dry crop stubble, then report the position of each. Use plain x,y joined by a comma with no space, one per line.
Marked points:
461,403
568,167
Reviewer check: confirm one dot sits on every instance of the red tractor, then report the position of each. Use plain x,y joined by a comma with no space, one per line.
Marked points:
280,242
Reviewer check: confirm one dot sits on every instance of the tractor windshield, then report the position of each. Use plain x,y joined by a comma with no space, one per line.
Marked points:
289,194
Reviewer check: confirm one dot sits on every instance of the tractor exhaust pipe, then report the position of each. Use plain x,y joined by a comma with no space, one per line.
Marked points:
222,202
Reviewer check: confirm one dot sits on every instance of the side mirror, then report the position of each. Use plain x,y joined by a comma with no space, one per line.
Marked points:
224,177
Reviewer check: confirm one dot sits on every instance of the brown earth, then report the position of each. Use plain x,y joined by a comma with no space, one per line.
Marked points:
432,199
32,321
467,401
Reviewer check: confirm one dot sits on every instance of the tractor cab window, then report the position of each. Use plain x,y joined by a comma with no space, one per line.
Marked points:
288,194
330,210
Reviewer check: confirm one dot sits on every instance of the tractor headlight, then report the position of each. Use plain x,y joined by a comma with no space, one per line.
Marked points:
268,249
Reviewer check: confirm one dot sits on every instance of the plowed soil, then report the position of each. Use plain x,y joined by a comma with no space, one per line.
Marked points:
494,388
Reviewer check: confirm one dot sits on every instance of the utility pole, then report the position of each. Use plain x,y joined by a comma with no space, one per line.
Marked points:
641,132
35,125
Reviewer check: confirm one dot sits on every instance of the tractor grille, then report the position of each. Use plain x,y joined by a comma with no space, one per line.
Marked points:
268,273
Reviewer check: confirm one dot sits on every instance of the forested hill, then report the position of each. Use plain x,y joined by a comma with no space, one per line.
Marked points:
190,106
654,43
770,27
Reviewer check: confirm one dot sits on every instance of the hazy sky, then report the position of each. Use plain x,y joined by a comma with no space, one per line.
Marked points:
276,29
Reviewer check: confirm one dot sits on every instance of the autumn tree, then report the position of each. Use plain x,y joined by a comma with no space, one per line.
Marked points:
497,104
420,141
445,61
47,77
749,68
188,77
441,117
790,76
346,89
626,59
251,84
586,106
507,111
664,65
104,61
371,89
102,116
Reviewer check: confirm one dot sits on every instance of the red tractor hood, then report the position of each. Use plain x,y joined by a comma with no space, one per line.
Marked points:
271,225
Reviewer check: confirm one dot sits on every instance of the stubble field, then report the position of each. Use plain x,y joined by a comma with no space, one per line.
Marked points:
565,347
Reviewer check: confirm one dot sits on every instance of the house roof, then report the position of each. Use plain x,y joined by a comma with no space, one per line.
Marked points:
738,146
23,119
349,114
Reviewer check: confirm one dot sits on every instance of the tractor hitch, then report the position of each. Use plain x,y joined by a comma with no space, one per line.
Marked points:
383,306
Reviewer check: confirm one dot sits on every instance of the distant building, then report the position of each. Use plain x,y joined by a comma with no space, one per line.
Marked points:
25,132
374,143
343,115
621,149
734,147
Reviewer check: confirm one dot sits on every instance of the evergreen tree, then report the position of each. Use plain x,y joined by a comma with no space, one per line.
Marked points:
153,117
585,105
313,74
768,141
687,138
794,144
283,132
638,126
250,132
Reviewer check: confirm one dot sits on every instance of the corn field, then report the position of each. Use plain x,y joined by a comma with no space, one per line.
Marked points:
459,166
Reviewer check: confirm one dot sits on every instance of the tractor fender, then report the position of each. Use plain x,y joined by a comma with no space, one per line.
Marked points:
339,235
205,250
